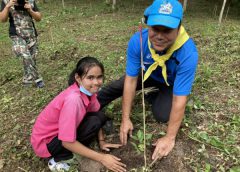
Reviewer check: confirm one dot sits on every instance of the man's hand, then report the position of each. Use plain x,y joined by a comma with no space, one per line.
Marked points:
113,163
11,3
163,145
36,15
28,6
125,129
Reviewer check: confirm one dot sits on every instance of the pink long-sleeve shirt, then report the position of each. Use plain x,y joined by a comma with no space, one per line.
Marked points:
61,117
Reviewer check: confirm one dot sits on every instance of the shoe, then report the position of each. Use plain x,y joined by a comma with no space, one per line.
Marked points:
58,166
39,83
27,80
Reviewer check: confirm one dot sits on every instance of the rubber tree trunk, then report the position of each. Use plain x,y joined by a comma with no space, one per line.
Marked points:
114,4
185,5
221,13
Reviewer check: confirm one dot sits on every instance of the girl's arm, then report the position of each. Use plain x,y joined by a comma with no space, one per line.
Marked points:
103,145
109,161
100,135
4,13
35,14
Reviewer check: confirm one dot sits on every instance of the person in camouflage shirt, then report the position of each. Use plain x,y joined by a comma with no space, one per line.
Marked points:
23,35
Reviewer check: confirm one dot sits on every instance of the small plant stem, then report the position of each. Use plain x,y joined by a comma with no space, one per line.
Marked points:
144,125
143,101
154,161
22,169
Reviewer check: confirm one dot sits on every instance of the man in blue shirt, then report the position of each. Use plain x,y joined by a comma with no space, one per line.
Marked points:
169,62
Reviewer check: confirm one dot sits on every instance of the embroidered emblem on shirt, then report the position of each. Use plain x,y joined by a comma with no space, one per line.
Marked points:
166,8
149,56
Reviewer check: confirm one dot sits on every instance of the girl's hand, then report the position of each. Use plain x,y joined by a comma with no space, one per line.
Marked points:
113,163
11,3
105,146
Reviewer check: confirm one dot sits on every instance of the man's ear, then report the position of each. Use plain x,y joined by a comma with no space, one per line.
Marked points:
179,27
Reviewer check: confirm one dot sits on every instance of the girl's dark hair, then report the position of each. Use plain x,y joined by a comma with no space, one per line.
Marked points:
83,66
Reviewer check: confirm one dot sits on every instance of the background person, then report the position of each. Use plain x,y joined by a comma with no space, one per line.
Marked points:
23,35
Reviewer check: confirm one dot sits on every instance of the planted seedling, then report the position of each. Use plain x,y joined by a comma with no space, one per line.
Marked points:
139,141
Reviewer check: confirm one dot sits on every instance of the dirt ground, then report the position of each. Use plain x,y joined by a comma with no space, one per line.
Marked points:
174,162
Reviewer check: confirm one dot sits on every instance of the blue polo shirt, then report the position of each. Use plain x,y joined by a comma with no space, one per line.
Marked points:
181,66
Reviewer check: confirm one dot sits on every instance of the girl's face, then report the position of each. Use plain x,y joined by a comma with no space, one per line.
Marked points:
92,81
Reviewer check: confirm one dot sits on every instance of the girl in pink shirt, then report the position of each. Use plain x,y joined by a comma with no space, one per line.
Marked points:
70,122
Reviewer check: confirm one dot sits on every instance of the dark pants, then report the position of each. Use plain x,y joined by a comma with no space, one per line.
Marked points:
161,99
86,133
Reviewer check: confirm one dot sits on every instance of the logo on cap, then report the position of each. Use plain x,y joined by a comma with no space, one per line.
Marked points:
166,8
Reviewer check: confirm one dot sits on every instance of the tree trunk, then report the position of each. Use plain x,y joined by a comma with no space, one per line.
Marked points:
185,5
221,13
114,4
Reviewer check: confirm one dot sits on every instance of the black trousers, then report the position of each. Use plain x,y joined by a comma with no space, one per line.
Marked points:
161,99
86,133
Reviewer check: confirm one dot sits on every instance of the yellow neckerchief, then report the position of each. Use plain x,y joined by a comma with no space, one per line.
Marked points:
160,60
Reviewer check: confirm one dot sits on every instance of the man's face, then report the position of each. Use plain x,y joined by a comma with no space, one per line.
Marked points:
162,37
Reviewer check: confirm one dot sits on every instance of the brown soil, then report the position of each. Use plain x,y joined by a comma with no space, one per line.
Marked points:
174,162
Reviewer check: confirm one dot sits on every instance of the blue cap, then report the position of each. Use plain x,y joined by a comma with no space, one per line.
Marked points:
166,13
